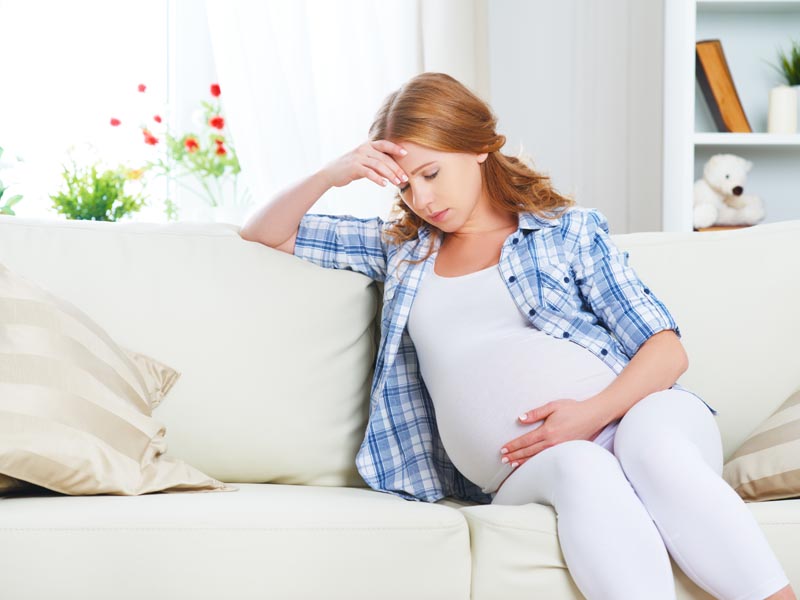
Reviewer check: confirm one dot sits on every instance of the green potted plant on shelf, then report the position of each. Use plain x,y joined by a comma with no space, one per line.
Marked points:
789,65
95,193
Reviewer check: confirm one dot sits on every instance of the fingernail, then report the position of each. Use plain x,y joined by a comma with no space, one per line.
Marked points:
504,451
505,460
514,465
523,416
403,151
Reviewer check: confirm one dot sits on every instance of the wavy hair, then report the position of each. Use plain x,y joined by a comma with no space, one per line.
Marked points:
437,111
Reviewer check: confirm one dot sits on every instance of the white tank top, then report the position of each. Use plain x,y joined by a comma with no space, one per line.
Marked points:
484,365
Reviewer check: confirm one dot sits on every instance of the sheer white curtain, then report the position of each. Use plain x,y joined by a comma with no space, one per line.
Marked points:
302,80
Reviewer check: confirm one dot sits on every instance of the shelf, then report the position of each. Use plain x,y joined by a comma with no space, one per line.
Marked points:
751,33
746,139
722,228
746,5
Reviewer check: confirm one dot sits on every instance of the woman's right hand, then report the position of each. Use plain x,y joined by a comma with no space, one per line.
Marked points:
372,159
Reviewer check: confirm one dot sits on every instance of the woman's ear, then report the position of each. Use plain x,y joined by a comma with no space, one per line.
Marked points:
482,157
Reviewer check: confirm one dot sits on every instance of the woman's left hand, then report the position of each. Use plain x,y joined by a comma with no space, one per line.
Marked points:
564,420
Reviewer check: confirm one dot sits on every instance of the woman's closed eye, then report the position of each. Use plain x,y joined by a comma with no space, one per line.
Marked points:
431,176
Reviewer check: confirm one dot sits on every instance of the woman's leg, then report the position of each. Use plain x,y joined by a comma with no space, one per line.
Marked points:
609,542
670,449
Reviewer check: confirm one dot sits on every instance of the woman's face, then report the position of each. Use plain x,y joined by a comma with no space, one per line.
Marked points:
440,181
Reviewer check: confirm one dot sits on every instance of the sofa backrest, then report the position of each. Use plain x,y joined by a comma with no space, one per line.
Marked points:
734,295
276,354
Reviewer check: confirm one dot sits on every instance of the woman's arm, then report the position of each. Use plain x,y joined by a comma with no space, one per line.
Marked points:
620,300
275,224
631,311
656,366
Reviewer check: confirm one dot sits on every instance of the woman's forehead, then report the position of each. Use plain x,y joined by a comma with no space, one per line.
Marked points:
418,155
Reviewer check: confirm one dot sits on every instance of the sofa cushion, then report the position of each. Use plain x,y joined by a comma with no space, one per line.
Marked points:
265,541
767,465
75,407
516,553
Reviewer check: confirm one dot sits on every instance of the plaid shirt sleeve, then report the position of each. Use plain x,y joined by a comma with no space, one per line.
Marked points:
613,290
343,242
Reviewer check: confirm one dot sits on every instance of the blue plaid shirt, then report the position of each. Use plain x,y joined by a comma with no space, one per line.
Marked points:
565,274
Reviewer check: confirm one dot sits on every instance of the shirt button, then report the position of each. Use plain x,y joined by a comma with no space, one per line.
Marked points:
565,334
514,241
646,291
603,351
566,279
532,311
512,279
579,281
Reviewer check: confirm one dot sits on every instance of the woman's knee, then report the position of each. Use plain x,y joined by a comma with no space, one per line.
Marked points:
581,464
660,422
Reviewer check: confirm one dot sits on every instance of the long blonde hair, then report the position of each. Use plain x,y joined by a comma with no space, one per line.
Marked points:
437,111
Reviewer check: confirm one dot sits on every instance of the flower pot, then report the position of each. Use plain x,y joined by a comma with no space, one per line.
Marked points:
782,115
797,91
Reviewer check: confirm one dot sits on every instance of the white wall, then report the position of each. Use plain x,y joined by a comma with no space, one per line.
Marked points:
578,83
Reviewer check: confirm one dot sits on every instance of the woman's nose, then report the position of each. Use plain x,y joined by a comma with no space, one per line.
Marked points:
422,199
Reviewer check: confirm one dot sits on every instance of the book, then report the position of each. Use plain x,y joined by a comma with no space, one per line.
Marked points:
717,86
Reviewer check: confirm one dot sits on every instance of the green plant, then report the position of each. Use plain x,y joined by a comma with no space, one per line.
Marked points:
789,64
93,195
6,207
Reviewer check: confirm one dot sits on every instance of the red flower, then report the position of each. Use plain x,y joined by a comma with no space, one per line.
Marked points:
149,138
191,145
221,151
215,90
142,87
219,140
157,119
217,122
115,122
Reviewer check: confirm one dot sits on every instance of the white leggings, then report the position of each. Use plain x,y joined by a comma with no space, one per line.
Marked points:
659,491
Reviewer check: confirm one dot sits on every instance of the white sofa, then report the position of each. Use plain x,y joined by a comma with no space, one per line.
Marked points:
276,361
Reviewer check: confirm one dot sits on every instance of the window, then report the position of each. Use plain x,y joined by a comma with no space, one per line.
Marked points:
68,67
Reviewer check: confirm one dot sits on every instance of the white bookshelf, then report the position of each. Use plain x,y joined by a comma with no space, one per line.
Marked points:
751,33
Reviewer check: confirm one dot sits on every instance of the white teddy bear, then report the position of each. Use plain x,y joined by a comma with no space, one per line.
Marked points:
718,197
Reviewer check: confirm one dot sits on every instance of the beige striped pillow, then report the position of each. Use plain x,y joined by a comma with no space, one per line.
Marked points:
76,408
767,465
158,378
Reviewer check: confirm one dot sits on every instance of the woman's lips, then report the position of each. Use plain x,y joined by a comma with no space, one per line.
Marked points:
440,215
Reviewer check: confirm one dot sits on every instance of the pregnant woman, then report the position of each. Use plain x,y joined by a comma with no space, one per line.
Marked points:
522,359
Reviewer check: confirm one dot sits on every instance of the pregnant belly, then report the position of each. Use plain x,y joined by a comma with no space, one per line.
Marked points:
478,412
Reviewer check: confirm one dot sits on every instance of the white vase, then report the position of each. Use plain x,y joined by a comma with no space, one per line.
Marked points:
797,90
782,114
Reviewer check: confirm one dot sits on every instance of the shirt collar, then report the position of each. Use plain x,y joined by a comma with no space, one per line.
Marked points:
528,221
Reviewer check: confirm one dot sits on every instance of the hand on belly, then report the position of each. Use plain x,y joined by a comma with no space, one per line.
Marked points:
478,414
557,421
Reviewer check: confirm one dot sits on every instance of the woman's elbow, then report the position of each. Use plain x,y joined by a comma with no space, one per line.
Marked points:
684,359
